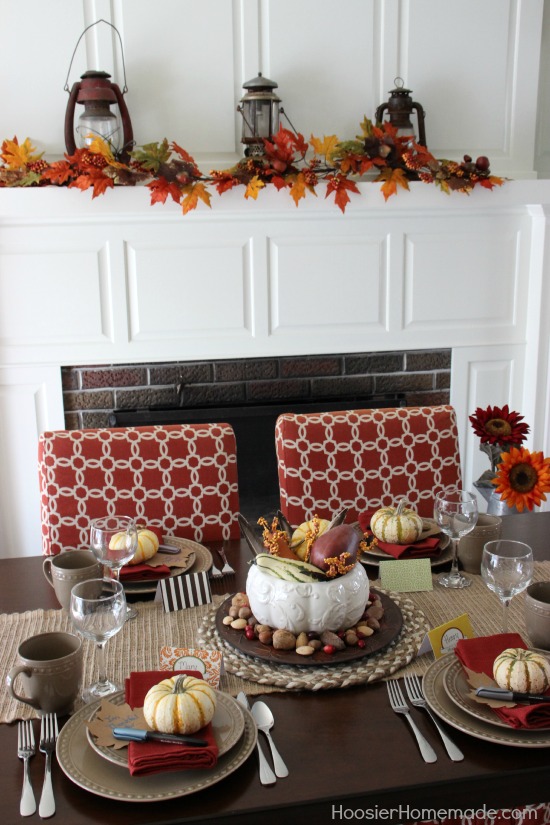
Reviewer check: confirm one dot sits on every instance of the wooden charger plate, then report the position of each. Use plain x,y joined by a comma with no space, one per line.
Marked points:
390,627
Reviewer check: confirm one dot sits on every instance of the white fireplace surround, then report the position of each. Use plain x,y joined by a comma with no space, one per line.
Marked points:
115,280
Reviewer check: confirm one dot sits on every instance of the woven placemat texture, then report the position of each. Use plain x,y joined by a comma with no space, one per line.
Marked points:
136,647
360,671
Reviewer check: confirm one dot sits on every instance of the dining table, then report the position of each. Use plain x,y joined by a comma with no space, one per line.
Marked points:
349,756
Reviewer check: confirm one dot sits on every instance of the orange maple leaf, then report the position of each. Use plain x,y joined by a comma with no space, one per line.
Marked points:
392,179
59,172
254,187
193,193
95,179
160,189
491,182
323,147
185,156
341,186
16,155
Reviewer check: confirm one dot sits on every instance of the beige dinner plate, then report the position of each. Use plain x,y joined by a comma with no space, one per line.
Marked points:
442,704
202,563
458,689
227,725
87,769
375,556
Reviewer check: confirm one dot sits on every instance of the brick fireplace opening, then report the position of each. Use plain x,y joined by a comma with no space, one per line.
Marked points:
249,394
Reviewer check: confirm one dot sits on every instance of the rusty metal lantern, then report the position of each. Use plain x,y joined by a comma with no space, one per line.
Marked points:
97,94
260,112
400,107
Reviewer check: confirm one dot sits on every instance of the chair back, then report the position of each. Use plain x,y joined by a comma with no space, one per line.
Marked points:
180,479
365,459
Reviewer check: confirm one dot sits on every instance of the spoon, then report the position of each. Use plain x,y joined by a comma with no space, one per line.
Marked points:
267,777
265,721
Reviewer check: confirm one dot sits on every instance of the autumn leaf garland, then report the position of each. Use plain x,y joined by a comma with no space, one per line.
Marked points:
288,162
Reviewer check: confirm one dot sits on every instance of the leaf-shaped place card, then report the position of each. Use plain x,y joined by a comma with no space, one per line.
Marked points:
477,680
109,716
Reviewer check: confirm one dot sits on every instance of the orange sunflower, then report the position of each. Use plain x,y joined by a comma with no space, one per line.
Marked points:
523,478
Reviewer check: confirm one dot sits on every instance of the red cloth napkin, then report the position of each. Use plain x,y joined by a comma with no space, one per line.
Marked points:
478,654
422,549
145,758
143,572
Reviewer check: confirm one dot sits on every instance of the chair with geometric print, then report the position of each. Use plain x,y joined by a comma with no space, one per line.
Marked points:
365,459
180,479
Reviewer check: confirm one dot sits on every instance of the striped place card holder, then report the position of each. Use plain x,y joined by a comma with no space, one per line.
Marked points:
188,590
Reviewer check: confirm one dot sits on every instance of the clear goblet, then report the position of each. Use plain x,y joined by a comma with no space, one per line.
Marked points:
507,569
455,512
98,611
114,541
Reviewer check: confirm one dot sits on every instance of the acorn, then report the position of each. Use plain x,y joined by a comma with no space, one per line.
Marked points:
482,163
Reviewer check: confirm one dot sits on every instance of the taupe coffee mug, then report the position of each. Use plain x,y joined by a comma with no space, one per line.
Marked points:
537,614
50,670
70,568
470,546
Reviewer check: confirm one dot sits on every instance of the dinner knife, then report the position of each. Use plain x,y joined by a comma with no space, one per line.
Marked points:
137,735
510,695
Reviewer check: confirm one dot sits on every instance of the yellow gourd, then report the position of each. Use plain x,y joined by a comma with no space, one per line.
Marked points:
181,704
148,544
397,525
298,542
522,670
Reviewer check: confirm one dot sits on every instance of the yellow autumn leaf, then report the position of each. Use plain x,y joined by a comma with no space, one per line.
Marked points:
325,146
98,146
16,155
254,187
193,193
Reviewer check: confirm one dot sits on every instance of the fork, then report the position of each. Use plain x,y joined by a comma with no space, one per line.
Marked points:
398,704
215,572
226,569
25,749
416,696
48,735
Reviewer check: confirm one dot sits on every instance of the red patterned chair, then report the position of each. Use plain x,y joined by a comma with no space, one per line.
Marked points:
364,459
180,479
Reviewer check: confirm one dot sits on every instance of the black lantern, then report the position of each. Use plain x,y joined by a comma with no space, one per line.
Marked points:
260,112
96,93
400,108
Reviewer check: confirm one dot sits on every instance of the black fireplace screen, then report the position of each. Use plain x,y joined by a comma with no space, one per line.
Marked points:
254,427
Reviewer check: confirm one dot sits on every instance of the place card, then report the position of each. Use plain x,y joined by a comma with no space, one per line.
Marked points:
188,590
209,663
443,639
406,575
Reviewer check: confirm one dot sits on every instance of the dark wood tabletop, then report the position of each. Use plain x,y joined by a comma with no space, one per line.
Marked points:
347,753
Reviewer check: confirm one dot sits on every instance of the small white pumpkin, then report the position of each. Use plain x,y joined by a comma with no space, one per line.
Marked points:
522,670
181,704
397,525
148,544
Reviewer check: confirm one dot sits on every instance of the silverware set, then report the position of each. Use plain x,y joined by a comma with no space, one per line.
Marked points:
264,721
226,570
26,748
415,694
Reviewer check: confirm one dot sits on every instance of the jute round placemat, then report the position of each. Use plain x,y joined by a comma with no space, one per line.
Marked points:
360,671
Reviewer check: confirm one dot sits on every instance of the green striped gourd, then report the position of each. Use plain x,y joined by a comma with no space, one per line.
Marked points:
522,670
397,525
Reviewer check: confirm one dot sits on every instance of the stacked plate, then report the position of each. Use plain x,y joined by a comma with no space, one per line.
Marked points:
448,694
374,556
195,559
104,771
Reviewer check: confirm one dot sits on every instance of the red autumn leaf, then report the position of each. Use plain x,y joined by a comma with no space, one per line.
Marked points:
59,172
392,179
185,156
491,182
161,189
279,182
225,181
341,186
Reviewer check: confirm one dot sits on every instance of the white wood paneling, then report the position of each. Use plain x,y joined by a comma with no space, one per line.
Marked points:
30,402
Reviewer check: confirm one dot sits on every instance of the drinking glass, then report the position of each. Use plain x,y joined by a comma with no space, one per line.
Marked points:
98,611
455,512
114,541
507,569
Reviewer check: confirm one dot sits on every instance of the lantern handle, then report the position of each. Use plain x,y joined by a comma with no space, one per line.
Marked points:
101,20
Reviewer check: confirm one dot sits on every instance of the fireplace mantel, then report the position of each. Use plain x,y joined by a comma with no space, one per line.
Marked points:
115,280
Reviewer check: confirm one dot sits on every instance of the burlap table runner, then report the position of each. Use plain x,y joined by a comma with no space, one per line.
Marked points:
137,646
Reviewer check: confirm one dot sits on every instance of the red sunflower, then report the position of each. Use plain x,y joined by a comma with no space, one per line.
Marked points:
497,425
523,478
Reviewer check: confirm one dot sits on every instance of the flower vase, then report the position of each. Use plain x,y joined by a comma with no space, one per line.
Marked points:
496,506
